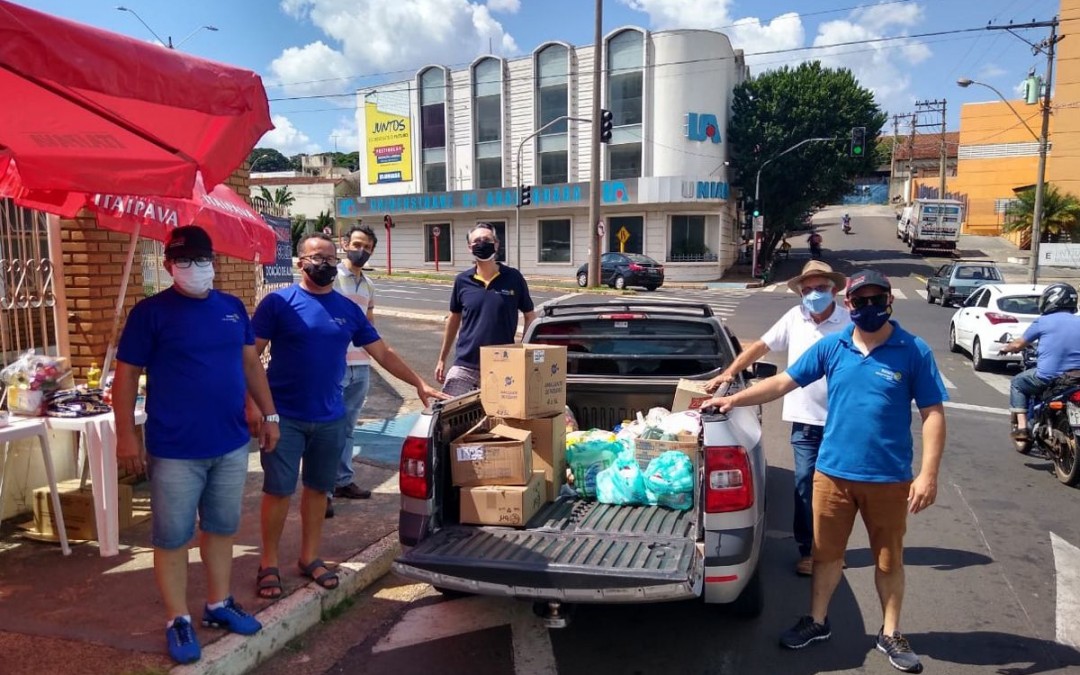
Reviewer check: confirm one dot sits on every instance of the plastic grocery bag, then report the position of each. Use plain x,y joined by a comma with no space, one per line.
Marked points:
670,479
621,483
587,454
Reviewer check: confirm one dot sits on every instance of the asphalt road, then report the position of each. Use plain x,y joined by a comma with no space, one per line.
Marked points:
993,572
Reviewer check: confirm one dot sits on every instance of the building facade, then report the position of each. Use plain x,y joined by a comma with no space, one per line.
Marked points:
448,148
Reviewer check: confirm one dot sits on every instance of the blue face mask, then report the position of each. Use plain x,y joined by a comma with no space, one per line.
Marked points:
871,317
816,302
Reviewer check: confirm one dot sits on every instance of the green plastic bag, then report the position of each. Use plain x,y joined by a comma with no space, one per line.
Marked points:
670,480
587,454
621,483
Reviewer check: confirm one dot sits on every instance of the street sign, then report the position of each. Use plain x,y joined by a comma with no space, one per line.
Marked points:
436,231
623,235
759,223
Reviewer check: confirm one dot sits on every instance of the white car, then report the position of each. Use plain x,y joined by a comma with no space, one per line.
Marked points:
902,223
987,315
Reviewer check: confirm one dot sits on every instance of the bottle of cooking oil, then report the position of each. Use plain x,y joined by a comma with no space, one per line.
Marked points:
93,376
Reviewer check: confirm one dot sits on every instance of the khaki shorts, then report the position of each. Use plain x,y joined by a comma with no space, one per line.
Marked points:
884,509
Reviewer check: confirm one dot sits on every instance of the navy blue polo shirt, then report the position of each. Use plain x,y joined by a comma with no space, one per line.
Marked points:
868,431
489,311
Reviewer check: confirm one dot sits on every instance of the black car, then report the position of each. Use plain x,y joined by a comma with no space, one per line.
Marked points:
620,270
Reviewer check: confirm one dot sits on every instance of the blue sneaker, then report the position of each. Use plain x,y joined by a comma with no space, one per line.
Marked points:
183,645
231,617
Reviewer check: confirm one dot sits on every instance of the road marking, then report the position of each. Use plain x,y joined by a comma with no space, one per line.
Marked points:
922,293
899,294
390,486
1001,383
920,277
976,408
533,653
948,383
1067,564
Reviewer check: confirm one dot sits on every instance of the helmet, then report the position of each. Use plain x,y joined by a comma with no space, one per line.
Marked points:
1058,297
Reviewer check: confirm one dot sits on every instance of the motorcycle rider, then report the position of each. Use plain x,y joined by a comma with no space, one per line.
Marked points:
1058,351
847,224
815,244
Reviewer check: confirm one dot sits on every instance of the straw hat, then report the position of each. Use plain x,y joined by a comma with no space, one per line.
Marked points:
816,268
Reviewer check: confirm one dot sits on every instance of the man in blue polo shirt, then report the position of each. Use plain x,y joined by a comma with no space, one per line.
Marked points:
874,370
309,327
484,306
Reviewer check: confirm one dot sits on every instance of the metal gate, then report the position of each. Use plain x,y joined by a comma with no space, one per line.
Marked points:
28,318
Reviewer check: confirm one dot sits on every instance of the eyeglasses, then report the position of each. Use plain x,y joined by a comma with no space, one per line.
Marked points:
820,288
879,300
185,263
321,259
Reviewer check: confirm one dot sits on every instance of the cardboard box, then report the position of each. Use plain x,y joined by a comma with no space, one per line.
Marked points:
78,507
548,449
647,450
499,456
523,381
690,395
509,506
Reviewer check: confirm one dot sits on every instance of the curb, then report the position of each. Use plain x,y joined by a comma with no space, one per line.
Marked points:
294,614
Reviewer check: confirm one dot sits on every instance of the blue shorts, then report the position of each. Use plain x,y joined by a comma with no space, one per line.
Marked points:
180,488
318,444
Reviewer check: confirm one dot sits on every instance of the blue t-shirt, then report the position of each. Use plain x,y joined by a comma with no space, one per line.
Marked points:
1059,343
868,431
309,334
192,350
489,312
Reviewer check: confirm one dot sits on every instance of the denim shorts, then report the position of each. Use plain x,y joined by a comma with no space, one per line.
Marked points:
180,488
314,447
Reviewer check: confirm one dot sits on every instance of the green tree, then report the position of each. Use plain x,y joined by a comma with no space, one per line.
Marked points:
322,221
274,160
1061,215
282,196
779,108
300,227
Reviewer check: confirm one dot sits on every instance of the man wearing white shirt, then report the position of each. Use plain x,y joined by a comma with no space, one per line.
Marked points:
806,408
351,282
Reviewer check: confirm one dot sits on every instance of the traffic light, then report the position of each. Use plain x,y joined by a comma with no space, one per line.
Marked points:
858,141
525,196
607,121
388,222
756,213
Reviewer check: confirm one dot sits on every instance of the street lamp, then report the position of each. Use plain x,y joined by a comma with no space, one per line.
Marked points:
168,42
1040,180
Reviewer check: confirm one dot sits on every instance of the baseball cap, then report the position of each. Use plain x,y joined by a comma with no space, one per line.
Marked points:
189,241
867,278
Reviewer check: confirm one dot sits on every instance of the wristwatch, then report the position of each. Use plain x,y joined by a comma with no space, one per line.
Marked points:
275,418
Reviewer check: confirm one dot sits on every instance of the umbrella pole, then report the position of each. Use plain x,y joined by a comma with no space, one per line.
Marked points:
110,353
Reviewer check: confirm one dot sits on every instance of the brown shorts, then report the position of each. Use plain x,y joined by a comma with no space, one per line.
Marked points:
884,509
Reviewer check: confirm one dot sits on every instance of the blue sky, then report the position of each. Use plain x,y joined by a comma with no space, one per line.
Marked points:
316,47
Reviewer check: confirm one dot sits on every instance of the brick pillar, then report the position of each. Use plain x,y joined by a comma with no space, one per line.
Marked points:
93,264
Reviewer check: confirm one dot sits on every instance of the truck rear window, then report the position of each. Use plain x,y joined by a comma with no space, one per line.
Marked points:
637,347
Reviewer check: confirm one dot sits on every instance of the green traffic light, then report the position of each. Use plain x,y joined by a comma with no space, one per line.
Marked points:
756,213
857,150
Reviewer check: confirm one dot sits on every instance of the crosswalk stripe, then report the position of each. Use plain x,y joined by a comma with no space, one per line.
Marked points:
922,293
1000,383
899,294
948,383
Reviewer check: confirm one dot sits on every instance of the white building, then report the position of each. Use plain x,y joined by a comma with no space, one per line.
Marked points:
440,152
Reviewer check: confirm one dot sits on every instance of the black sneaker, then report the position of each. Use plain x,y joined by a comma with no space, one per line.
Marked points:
329,508
352,491
897,648
805,632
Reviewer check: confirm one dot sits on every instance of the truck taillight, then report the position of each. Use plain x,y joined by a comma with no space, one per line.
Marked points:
729,483
414,479
1075,397
995,318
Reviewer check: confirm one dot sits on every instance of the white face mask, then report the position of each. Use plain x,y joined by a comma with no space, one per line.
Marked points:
194,280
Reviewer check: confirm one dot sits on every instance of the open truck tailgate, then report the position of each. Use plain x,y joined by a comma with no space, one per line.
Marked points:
571,550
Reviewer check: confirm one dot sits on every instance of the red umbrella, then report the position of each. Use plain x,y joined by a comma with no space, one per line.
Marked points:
90,111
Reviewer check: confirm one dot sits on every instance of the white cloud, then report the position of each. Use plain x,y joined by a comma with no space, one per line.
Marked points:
990,71
377,36
287,139
345,136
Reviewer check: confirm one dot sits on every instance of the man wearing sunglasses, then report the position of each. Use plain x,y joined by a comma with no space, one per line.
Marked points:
806,409
875,370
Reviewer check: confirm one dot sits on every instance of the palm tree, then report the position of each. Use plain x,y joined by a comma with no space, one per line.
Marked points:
1060,215
281,196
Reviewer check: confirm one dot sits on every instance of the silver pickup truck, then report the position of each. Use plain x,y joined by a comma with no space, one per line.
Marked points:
623,357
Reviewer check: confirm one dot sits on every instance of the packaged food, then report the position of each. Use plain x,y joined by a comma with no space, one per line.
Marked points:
587,454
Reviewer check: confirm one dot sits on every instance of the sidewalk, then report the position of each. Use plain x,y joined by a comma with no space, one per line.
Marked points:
86,614
1012,261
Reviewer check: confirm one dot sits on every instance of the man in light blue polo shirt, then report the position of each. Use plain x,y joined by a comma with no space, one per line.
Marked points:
874,370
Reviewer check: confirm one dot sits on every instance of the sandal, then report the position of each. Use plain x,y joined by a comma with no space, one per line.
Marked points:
327,580
268,588
1020,435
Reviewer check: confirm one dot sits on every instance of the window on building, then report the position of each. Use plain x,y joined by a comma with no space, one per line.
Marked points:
555,240
625,100
553,102
433,128
444,242
690,236
487,123
634,239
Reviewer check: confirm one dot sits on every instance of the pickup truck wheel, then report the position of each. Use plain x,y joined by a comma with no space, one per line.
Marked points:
751,601
583,280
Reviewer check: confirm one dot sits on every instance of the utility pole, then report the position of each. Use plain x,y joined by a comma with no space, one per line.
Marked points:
594,156
911,159
944,152
934,113
892,154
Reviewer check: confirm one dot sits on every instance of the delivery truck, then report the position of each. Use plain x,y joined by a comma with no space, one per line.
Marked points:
934,224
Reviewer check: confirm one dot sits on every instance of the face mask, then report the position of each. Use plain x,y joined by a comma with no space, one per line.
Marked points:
359,258
484,250
194,280
320,275
816,302
871,317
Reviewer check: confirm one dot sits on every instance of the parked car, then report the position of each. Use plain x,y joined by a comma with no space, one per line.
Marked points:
621,270
956,281
991,312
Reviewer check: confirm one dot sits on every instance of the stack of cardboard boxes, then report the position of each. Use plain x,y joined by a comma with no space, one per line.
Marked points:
514,460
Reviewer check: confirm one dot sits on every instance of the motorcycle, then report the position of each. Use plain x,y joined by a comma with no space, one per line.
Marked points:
847,227
1053,420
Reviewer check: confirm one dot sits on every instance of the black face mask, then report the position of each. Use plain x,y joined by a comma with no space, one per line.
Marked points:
321,275
359,258
483,250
